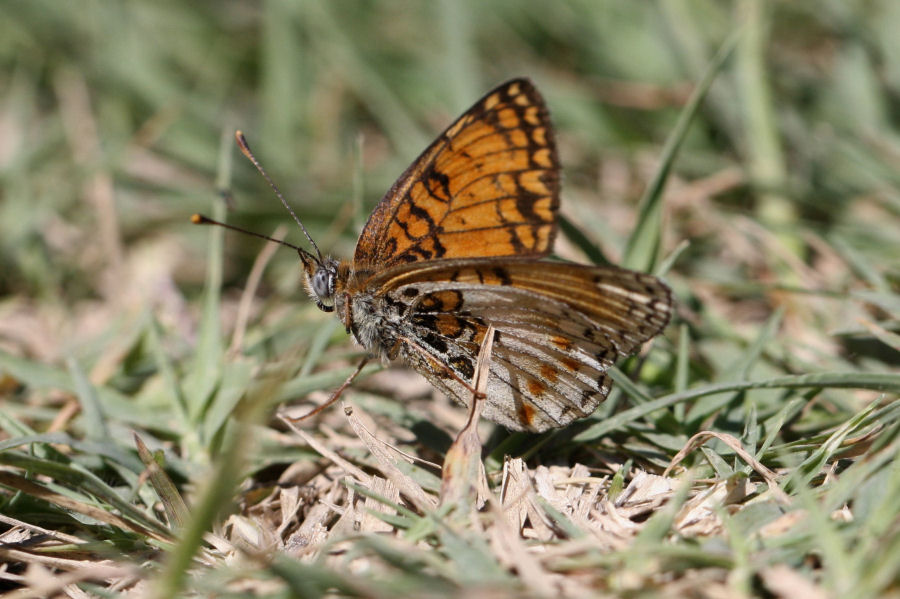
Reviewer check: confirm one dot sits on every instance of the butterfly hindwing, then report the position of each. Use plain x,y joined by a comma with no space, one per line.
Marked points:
488,186
558,329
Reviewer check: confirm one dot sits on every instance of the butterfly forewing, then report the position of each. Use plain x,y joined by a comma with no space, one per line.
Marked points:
488,186
559,328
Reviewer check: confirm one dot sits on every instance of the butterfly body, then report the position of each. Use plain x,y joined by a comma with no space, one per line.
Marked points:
459,243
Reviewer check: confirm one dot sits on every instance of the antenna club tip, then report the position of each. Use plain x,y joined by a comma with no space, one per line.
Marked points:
242,143
198,219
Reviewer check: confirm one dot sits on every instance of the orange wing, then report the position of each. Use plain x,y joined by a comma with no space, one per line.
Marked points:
487,186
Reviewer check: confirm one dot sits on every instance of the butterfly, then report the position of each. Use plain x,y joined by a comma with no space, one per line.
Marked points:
459,243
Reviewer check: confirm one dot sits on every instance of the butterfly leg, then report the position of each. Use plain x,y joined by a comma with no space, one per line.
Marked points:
334,396
394,352
347,317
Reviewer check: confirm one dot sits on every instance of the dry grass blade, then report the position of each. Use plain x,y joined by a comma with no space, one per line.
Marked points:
42,582
732,442
784,582
24,485
511,549
463,474
384,455
326,452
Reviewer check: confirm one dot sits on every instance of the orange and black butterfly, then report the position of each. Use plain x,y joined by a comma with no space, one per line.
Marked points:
458,243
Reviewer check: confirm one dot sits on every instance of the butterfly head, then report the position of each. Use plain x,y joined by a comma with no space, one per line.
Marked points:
321,275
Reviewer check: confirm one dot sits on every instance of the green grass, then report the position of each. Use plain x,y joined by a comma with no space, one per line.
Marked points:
139,449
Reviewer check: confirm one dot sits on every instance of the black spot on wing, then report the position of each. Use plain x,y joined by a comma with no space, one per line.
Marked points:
441,178
502,275
463,366
435,342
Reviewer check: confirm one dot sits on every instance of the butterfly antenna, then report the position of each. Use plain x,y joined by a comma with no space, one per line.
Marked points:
245,149
199,219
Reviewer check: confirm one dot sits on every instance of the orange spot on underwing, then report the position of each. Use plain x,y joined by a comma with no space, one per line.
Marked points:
526,413
449,325
447,300
563,343
549,373
536,387
570,364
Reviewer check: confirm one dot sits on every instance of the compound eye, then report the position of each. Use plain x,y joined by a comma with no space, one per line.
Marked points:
322,285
